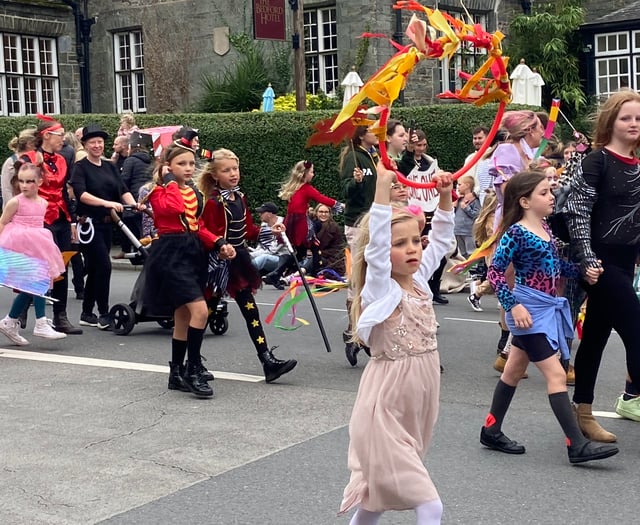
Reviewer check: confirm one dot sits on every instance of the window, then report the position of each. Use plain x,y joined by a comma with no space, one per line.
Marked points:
128,52
28,75
467,58
321,50
614,61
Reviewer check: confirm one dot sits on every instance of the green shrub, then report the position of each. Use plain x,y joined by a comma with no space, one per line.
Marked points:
269,144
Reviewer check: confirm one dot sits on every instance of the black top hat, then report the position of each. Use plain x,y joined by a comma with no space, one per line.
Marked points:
186,133
267,206
93,130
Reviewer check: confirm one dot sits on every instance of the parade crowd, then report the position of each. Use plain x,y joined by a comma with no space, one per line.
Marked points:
548,227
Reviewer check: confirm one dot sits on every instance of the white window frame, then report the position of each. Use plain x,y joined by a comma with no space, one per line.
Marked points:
321,60
131,72
449,69
40,74
628,55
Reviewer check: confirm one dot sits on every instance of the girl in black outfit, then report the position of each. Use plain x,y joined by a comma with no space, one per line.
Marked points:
99,188
602,210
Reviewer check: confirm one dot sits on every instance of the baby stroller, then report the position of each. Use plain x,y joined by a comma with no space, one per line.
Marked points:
126,315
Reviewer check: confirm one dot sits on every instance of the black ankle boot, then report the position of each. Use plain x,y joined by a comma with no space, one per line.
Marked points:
590,451
176,381
206,375
195,382
274,367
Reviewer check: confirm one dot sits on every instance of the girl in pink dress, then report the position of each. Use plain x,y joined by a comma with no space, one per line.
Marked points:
22,230
397,403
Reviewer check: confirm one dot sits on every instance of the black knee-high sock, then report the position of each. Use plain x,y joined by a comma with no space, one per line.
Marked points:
561,407
249,310
194,342
178,351
502,396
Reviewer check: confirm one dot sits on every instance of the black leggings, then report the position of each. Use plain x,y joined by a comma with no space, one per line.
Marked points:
61,231
98,265
612,304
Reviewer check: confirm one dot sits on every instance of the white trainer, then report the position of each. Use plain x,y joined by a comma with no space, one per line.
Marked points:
11,328
44,328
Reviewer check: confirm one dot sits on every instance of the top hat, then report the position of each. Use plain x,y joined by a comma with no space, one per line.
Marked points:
93,130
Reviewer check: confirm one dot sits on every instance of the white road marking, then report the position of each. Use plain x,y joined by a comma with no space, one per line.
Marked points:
106,363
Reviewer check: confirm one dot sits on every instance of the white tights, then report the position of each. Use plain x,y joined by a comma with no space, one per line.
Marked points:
429,513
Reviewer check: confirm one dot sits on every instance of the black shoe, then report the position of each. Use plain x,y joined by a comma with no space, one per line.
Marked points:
351,350
194,381
61,324
590,451
273,280
274,367
105,321
206,375
440,299
500,442
176,380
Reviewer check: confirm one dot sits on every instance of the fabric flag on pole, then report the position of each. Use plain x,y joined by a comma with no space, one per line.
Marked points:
24,273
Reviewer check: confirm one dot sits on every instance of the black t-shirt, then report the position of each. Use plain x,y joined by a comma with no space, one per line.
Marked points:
102,181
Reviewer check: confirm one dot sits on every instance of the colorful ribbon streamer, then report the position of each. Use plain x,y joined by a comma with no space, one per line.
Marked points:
553,118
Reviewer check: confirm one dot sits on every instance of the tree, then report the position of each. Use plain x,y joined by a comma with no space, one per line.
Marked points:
549,40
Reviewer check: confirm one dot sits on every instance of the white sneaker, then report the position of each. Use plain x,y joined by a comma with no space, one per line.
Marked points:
11,328
44,328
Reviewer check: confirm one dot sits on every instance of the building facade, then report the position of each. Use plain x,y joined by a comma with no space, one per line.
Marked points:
64,56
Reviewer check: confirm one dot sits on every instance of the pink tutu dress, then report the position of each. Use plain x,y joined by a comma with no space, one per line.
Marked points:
397,403
26,234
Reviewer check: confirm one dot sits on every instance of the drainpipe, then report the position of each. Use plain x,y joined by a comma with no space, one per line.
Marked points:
83,37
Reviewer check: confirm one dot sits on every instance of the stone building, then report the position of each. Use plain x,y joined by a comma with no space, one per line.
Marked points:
65,56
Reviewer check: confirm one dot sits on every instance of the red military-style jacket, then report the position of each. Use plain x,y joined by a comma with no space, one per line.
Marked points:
53,188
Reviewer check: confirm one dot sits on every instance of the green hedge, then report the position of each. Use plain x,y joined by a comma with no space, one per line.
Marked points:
268,144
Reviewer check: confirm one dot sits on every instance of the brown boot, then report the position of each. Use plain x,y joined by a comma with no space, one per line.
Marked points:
590,427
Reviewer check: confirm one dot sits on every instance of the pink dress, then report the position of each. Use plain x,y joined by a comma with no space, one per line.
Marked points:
395,412
26,234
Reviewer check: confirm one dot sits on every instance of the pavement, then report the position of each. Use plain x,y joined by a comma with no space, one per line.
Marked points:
90,434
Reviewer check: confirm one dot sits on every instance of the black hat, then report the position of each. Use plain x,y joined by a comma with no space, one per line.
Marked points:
186,133
267,206
92,131
140,140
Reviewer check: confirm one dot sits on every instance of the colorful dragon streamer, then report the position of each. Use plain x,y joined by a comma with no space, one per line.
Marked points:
384,87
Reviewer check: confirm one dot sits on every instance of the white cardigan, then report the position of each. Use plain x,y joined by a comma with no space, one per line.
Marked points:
381,294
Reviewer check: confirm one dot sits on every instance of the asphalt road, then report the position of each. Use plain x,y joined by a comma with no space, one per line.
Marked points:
89,432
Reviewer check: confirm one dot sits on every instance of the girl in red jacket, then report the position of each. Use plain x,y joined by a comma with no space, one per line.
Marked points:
298,191
226,222
175,270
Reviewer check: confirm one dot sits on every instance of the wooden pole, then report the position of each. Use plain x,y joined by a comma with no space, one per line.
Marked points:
300,82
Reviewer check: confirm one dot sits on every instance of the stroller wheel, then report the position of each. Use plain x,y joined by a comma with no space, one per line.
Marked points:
167,324
124,318
218,324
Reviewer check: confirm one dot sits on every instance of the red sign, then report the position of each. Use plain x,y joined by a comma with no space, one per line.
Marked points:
269,20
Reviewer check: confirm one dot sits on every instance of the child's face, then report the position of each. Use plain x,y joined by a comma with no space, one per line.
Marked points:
463,187
29,182
406,248
552,177
541,200
309,175
399,192
567,152
227,173
183,166
398,140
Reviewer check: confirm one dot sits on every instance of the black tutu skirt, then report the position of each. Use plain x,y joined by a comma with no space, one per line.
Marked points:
175,273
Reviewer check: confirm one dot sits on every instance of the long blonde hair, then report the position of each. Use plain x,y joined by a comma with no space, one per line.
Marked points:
296,180
359,264
207,183
485,217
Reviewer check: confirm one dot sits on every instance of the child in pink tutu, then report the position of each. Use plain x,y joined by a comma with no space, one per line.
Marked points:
397,403
22,230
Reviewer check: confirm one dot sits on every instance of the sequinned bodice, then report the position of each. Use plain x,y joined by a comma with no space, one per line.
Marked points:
411,330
